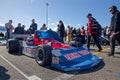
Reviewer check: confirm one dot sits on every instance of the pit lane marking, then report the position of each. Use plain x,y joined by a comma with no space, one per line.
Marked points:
105,49
66,76
34,77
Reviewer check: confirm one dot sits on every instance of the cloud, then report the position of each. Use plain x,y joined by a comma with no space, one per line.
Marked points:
53,24
54,28
2,24
78,25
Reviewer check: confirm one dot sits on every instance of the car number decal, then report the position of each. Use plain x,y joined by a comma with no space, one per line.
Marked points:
72,56
30,50
84,52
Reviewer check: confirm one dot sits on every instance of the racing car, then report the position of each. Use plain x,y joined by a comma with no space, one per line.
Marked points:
47,48
2,41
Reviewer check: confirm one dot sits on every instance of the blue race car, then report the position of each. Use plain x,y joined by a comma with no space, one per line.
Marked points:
47,48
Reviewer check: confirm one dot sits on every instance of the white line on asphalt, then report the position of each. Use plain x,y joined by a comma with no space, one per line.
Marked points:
65,76
34,77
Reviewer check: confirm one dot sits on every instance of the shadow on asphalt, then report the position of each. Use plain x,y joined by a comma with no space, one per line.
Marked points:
3,75
16,54
117,52
116,56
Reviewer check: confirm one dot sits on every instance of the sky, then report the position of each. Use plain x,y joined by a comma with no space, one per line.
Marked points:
71,12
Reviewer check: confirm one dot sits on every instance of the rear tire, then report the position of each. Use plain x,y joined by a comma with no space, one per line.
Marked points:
43,56
13,46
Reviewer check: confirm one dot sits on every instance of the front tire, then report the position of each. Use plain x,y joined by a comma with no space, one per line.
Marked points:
43,56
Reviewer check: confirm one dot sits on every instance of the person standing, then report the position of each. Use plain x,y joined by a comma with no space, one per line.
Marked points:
82,32
61,29
69,34
115,29
23,27
74,32
33,27
93,31
9,28
43,27
19,30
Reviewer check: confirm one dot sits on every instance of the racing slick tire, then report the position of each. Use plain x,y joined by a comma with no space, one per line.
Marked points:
43,56
13,46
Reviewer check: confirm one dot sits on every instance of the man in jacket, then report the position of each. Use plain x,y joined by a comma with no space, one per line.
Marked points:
61,29
33,27
115,29
92,27
19,30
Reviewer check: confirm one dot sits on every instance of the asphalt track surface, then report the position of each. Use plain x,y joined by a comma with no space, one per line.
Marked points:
21,67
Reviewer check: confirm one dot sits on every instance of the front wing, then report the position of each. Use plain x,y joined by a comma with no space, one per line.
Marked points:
73,59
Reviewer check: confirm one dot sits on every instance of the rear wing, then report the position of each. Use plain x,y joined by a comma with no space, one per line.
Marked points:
24,36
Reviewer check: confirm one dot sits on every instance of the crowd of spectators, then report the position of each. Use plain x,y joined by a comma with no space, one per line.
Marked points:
67,33
90,33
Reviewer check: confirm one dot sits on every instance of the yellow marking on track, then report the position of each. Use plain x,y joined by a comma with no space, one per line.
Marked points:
104,50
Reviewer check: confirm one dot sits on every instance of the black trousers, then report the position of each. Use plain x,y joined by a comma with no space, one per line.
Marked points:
96,39
83,39
112,42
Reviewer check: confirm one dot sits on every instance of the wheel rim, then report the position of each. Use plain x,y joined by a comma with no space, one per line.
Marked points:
40,56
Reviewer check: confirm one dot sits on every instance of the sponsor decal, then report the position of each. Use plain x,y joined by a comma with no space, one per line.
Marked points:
55,60
30,50
72,56
84,52
56,51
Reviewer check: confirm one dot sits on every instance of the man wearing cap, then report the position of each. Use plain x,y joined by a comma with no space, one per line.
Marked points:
92,29
115,29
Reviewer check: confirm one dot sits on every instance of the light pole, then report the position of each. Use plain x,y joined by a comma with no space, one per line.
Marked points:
47,14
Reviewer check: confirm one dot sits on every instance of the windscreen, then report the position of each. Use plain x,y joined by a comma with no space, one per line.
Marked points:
48,34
